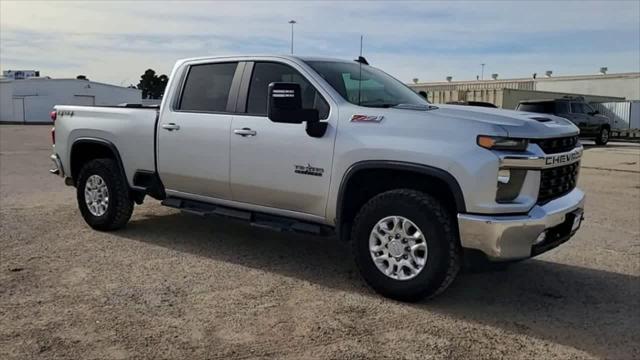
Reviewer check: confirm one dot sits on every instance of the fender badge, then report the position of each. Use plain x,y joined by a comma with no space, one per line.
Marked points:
366,118
308,170
65,112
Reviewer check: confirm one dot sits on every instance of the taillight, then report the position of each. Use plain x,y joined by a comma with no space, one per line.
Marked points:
54,116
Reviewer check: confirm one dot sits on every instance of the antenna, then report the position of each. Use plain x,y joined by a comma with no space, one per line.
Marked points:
292,22
360,58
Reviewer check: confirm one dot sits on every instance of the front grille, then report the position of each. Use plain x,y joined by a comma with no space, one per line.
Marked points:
558,181
557,145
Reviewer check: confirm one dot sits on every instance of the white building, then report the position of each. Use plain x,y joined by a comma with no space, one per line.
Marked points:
31,100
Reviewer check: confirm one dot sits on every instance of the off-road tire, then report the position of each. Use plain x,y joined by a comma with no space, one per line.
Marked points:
436,223
120,204
603,136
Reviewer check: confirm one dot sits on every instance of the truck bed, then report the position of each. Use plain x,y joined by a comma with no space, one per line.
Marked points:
131,130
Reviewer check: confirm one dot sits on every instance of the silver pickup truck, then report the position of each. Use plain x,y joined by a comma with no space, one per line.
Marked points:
332,147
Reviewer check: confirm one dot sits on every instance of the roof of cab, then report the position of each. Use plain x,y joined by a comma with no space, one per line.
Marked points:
535,101
248,57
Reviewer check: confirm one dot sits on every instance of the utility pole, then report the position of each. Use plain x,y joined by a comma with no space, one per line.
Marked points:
482,73
292,22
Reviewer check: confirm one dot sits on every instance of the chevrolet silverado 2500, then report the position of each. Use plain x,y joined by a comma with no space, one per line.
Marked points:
327,146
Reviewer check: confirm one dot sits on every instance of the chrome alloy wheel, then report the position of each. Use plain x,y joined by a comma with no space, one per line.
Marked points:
398,248
96,195
604,137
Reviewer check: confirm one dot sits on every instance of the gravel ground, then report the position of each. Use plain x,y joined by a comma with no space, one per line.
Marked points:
173,285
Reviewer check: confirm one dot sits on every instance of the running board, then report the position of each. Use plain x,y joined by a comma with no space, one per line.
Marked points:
261,220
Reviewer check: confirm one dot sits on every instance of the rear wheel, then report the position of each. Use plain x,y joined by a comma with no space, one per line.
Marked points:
405,246
603,136
103,195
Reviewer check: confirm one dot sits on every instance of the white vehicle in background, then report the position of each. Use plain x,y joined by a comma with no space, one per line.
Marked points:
327,146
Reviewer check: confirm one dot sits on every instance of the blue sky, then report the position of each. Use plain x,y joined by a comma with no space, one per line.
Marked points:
115,41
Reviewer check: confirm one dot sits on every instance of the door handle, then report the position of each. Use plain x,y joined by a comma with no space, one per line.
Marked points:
171,126
245,132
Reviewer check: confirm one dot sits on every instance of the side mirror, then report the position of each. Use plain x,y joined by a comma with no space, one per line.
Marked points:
285,106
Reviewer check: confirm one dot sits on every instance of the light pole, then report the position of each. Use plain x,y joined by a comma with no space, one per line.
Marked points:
482,74
292,22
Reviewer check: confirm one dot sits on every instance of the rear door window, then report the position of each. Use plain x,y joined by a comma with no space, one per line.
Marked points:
207,87
577,108
562,107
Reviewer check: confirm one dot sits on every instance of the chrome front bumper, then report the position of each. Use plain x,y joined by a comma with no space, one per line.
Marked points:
514,237
57,166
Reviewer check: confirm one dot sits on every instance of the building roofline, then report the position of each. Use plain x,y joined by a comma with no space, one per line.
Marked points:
530,79
33,79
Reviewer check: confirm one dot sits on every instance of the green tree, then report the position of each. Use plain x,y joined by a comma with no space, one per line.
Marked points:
152,85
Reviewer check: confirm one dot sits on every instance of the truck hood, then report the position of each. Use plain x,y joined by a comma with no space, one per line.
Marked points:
518,124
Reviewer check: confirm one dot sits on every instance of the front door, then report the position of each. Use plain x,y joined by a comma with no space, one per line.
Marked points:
274,164
193,136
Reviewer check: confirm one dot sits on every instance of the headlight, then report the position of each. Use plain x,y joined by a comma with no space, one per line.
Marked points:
502,143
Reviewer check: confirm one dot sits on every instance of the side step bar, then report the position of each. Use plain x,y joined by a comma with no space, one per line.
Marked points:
261,220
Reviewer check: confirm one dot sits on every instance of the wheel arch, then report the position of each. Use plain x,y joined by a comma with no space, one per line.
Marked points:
436,181
86,149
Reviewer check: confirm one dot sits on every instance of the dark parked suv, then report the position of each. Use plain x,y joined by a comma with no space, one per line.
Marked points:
592,125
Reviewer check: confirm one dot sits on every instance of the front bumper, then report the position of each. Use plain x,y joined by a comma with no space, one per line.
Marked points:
512,237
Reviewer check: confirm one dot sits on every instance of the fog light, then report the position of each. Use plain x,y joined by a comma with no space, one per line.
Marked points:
541,238
576,223
504,175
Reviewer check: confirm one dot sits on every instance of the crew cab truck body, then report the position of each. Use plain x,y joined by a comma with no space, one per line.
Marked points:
591,123
329,146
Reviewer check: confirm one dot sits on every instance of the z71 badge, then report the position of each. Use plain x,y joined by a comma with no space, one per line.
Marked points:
308,170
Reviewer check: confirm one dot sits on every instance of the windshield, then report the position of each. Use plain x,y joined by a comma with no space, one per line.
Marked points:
365,85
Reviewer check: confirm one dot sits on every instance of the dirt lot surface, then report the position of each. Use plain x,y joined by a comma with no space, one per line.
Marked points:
173,285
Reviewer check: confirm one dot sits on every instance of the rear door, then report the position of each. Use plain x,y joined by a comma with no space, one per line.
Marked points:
280,166
593,122
193,136
580,118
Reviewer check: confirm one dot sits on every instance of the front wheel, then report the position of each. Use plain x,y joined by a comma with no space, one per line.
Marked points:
103,195
405,245
603,136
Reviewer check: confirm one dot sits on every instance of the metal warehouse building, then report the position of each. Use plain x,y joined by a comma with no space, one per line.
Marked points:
615,95
31,100
508,92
